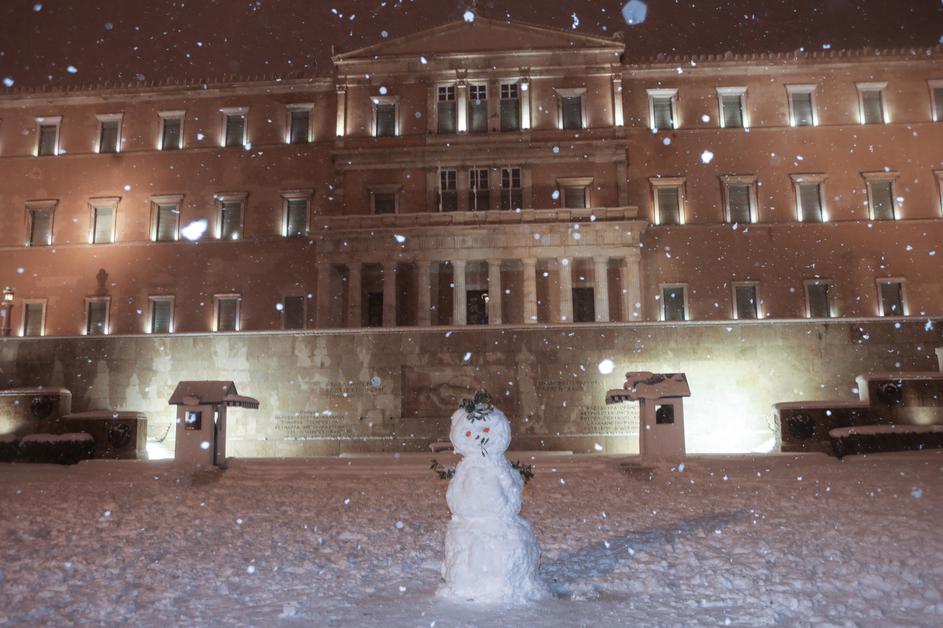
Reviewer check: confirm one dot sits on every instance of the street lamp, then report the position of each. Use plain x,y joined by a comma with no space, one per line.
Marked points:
6,310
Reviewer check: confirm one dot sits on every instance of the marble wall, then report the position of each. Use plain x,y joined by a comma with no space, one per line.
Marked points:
325,393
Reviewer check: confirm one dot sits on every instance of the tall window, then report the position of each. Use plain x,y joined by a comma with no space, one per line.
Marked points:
510,107
745,301
881,200
384,117
96,316
871,101
104,211
48,134
227,312
801,105
511,196
34,318
732,109
478,189
299,123
936,100
296,206
818,296
477,108
166,218
230,219
39,217
667,193
674,303
445,109
662,108
891,295
109,133
293,312
161,320
571,109
810,206
740,195
448,191
235,121
171,130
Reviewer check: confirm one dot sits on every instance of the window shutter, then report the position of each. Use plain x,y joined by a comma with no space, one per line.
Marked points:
108,142
297,218
167,216
882,201
938,100
33,325
161,310
738,199
41,227
574,197
293,311
810,202
673,303
510,108
802,109
446,116
818,295
733,111
478,109
572,112
235,129
299,127
230,220
227,309
746,302
892,300
873,106
669,205
104,223
97,314
171,138
47,139
386,119
662,112
384,203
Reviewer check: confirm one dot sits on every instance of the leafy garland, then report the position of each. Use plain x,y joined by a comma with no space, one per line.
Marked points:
478,408
447,473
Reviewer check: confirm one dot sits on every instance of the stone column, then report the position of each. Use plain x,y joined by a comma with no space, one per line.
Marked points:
424,300
459,296
341,111
389,294
601,287
494,292
631,287
566,289
530,289
323,295
354,292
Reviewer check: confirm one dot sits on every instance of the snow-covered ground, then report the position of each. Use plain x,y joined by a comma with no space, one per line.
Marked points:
781,540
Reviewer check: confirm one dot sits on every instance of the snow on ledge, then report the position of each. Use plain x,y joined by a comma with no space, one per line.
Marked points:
863,430
56,438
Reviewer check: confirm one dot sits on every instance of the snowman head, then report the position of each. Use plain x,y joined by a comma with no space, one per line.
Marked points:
480,429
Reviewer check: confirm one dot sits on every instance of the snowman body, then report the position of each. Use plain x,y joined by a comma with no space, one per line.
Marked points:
491,554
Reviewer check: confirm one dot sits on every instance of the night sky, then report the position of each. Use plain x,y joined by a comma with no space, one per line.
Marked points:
131,41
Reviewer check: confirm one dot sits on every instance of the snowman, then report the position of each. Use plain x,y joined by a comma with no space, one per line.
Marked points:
491,554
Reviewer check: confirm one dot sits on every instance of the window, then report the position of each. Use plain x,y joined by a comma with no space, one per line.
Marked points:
511,197
732,109
809,197
881,202
384,117
478,189
674,303
661,104
871,102
510,107
235,121
229,222
801,105
227,312
445,109
891,297
574,192
936,100
39,216
740,199
297,206
571,108
161,315
293,312
166,217
48,136
746,305
448,194
818,298
669,199
171,130
109,133
299,123
34,318
104,211
477,108
384,199
96,316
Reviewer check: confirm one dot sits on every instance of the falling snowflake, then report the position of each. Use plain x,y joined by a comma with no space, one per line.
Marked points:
634,12
606,366
8,81
195,230
72,69
707,156
469,16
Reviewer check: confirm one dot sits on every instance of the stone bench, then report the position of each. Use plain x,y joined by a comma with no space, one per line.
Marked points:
804,425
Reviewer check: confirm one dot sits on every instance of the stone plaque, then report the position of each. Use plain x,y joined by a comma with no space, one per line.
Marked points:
310,425
614,420
436,392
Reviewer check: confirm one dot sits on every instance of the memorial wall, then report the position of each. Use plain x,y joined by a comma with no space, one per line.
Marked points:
326,393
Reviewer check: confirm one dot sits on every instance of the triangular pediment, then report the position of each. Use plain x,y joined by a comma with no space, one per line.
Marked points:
481,36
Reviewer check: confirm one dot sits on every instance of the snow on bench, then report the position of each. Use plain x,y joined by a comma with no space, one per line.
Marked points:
875,430
56,438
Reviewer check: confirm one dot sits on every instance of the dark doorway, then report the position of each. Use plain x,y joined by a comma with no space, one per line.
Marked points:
584,305
374,309
477,312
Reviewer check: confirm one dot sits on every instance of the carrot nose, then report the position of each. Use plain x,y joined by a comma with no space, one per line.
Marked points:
487,429
467,434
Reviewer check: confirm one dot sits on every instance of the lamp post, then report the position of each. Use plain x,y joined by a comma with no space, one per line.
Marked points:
6,310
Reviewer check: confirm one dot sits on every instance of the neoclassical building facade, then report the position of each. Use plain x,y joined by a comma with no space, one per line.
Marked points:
480,173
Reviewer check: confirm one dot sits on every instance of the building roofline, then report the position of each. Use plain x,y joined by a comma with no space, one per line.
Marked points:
800,55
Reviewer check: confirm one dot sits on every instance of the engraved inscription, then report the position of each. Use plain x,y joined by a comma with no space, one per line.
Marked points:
305,425
609,420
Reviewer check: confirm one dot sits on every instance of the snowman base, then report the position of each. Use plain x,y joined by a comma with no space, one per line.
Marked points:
491,561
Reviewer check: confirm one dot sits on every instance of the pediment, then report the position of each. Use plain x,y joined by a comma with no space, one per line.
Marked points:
481,36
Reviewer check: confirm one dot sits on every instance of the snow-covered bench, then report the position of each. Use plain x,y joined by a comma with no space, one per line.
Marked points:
867,439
